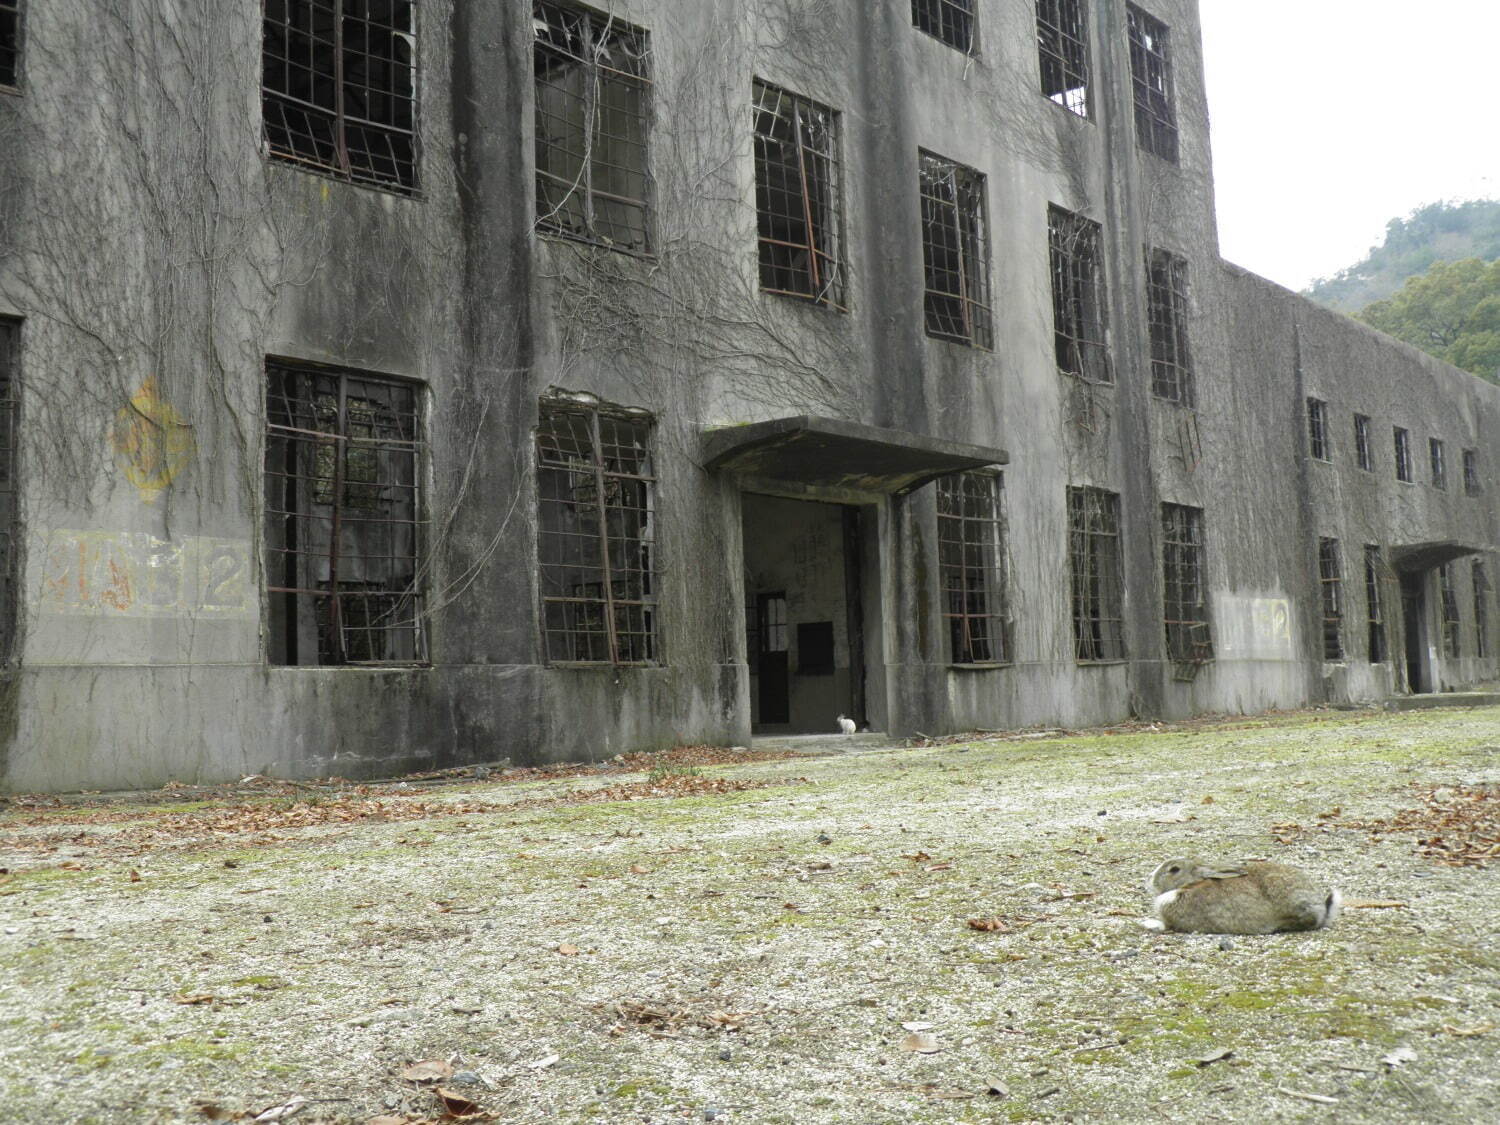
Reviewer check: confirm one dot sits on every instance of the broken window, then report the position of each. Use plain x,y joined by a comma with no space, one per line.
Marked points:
1403,454
1375,604
1094,565
955,252
1481,610
1363,453
1317,429
592,101
797,197
1331,583
10,43
1167,312
971,565
1471,472
596,541
10,380
952,21
343,512
1151,81
1439,466
339,91
1448,598
1079,325
1062,43
1184,595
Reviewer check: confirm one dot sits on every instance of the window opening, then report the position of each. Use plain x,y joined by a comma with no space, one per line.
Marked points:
1317,429
1184,594
1094,564
952,21
596,542
1331,582
1481,610
1167,311
1471,472
797,197
10,43
1079,324
10,394
1362,451
955,252
1151,82
971,564
339,91
1403,455
1439,466
343,500
1062,44
592,100
1448,598
1375,605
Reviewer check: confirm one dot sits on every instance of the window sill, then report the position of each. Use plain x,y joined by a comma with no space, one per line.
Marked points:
568,238
1102,663
414,667
595,666
988,666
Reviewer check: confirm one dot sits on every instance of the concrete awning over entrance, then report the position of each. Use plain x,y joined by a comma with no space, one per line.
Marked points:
1425,556
832,453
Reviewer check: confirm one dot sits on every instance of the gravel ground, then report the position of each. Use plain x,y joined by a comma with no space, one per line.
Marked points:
771,953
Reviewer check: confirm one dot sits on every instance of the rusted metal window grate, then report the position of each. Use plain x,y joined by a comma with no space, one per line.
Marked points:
1167,317
1375,605
1471,472
1364,454
339,90
1062,44
1094,564
1079,324
596,541
343,511
1448,600
1331,585
971,566
10,408
1184,595
955,252
1317,429
592,104
1481,610
797,197
952,21
1403,454
1438,462
1151,82
10,43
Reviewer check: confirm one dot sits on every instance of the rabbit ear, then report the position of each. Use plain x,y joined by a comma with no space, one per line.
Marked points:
1203,872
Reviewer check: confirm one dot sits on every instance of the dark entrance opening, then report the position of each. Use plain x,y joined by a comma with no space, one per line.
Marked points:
803,617
1413,616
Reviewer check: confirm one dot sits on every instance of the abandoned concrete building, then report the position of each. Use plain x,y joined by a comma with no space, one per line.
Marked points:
390,384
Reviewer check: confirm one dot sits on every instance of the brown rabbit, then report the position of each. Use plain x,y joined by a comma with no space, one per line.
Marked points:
1251,898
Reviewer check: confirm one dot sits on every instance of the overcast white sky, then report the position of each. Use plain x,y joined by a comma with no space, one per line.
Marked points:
1331,117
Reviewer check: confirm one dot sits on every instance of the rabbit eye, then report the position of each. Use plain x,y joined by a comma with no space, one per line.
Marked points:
1174,869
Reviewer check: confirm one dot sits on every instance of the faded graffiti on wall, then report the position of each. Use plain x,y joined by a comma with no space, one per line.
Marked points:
1254,628
135,574
153,443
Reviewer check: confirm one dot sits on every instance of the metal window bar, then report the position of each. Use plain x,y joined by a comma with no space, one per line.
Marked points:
1439,464
596,539
1151,84
1184,594
1166,316
1363,453
343,511
1481,581
1317,429
1094,566
1375,605
10,406
1062,47
1448,597
10,43
339,88
955,253
1403,454
797,197
1079,324
1331,586
1471,472
592,106
951,21
971,567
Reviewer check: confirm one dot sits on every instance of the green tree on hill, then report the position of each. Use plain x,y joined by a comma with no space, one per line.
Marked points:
1451,311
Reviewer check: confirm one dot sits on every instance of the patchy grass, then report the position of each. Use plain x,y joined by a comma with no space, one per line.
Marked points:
727,936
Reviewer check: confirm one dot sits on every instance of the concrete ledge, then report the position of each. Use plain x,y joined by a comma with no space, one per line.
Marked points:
1434,700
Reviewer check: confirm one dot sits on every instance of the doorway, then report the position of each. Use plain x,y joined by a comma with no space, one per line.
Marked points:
1413,627
803,614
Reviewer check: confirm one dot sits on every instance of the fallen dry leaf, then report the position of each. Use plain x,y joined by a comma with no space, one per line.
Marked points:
428,1070
989,925
1469,1032
1372,904
454,1104
637,869
568,950
135,876
921,1043
197,998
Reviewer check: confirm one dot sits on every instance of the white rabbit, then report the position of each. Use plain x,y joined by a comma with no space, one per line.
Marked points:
1250,898
846,725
